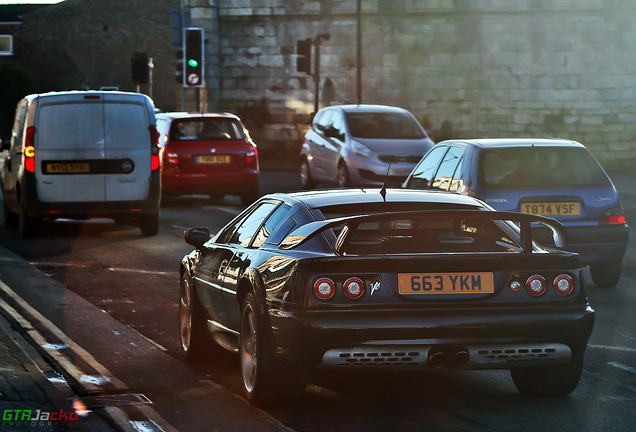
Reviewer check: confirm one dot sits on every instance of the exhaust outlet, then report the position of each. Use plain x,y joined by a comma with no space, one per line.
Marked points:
438,360
462,357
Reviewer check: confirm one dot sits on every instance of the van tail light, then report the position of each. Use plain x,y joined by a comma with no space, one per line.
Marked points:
324,288
563,285
536,286
154,147
353,288
613,216
29,149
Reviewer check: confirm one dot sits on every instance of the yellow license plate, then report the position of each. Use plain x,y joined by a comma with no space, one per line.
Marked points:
213,159
445,283
552,208
67,167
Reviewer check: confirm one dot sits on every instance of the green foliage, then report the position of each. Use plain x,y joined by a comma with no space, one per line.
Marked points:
15,83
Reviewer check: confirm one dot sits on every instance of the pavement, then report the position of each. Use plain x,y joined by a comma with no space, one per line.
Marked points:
35,396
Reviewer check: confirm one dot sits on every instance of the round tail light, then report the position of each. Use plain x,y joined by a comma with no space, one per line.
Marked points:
324,288
536,285
353,288
563,285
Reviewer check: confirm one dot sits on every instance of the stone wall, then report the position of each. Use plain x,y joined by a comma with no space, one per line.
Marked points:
495,68
89,44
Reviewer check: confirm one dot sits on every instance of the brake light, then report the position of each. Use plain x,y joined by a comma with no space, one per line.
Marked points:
324,288
536,286
614,216
563,285
353,288
154,148
29,149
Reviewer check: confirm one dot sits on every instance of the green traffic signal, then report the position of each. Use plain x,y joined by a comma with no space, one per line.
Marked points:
193,63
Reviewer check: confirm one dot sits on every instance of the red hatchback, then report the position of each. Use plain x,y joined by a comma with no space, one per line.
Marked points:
210,154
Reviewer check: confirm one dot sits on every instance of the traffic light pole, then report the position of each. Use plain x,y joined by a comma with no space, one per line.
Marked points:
316,73
317,43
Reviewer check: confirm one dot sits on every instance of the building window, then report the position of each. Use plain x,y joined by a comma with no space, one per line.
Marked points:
6,45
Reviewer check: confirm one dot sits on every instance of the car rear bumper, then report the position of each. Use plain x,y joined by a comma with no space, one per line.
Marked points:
184,183
495,339
38,209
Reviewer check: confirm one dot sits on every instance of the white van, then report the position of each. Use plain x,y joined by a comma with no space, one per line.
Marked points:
81,155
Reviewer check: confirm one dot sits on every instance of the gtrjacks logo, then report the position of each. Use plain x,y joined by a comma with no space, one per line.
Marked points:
30,418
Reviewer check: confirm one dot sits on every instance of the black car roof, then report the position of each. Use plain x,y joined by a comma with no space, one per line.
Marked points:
516,142
334,197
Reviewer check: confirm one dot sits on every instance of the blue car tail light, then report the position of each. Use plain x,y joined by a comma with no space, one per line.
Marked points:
613,216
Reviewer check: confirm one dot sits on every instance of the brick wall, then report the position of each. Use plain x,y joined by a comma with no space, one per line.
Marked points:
89,43
492,68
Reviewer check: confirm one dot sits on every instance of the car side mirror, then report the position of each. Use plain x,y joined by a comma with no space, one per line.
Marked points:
197,237
332,132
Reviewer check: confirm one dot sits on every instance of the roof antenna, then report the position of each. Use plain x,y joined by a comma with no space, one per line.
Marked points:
386,178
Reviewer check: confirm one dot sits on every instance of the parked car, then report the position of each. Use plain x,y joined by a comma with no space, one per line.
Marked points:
80,155
210,154
549,177
359,279
353,145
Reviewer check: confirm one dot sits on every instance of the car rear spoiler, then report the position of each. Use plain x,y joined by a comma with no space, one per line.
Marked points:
351,223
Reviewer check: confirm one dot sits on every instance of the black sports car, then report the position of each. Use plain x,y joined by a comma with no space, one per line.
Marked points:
384,280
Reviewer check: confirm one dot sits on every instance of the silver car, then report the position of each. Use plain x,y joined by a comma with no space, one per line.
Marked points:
362,145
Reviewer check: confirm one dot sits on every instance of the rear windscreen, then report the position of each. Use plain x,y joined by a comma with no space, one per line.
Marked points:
540,167
207,130
126,125
422,234
70,126
430,235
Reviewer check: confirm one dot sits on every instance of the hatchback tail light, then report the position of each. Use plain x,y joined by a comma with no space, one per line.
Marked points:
563,284
252,157
29,149
170,156
613,216
536,286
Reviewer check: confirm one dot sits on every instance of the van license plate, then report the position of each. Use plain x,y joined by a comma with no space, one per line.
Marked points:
552,208
213,159
445,283
67,167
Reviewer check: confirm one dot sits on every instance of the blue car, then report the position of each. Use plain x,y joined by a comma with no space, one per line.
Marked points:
547,177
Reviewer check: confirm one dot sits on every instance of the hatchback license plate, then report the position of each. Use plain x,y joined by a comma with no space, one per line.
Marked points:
552,208
68,167
213,159
445,283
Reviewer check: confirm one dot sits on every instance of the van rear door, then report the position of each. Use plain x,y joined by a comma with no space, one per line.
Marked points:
69,140
127,147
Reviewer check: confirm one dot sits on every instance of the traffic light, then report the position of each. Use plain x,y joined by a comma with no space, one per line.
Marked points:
303,61
139,63
193,57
